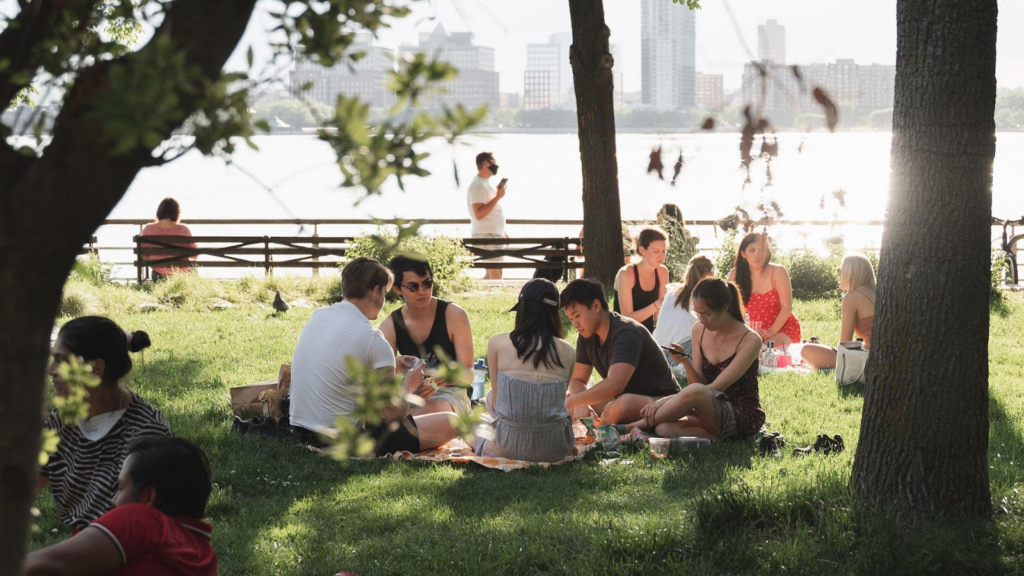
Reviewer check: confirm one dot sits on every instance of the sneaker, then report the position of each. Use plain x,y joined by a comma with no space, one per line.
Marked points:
771,445
837,444
242,426
821,444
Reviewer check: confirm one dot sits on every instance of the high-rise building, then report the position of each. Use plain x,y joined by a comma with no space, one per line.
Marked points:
542,79
710,91
668,53
538,89
477,82
365,78
771,42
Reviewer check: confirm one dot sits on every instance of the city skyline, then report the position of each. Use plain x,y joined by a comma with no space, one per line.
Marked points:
813,34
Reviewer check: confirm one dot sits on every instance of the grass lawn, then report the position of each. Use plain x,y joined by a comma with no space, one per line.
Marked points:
278,508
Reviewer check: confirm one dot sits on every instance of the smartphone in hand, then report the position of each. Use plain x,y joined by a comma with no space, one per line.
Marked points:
502,183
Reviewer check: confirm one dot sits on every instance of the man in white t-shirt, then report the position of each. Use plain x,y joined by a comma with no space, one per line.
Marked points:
485,214
323,389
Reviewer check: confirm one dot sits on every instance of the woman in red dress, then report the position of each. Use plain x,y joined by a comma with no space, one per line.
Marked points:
767,291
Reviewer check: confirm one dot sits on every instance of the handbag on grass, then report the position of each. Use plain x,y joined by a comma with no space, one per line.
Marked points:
851,360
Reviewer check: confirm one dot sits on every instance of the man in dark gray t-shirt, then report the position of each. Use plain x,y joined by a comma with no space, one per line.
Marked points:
634,370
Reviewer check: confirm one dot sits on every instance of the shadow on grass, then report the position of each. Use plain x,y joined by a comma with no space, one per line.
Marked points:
851,390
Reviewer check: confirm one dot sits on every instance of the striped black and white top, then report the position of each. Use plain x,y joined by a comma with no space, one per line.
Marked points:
83,474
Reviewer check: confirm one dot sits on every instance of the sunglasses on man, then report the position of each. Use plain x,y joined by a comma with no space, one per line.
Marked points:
414,287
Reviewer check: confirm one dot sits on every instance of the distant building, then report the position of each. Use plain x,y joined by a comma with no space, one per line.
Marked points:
876,86
710,91
538,89
771,42
477,82
668,53
509,100
365,78
866,87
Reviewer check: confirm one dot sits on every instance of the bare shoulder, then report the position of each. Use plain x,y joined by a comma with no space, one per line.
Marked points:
454,312
625,279
779,271
497,340
663,272
752,340
732,275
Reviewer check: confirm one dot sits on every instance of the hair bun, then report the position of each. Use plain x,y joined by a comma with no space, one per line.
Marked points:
140,341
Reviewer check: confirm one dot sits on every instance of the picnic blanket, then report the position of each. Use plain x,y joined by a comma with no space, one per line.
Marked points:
801,369
458,451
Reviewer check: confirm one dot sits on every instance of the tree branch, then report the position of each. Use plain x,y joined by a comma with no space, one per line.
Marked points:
22,42
79,171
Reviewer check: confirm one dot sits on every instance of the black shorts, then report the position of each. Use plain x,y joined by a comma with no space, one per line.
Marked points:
389,437
399,436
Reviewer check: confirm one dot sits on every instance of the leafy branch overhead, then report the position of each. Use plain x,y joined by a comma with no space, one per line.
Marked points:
157,91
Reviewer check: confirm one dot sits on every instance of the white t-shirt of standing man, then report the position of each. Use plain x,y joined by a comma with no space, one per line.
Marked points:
483,200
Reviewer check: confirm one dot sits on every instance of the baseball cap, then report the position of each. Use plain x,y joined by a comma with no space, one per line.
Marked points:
539,290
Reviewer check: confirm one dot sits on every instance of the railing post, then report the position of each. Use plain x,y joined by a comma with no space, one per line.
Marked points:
138,258
316,234
267,270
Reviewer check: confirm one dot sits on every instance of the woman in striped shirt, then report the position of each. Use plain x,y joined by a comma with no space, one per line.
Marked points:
83,473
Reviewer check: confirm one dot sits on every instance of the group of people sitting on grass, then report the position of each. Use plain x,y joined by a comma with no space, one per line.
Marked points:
135,496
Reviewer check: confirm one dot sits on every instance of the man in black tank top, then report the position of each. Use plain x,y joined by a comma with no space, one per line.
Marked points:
426,324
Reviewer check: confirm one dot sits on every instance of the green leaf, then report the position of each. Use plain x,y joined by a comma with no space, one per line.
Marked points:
248,57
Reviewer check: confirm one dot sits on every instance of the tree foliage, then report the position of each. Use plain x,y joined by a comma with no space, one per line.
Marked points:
117,107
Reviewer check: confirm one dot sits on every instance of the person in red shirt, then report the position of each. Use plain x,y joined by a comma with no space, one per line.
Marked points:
155,527
168,223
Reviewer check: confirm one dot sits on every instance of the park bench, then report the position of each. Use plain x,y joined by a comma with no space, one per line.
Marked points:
314,252
89,248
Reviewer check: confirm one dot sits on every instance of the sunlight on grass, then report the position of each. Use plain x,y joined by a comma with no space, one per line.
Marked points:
278,508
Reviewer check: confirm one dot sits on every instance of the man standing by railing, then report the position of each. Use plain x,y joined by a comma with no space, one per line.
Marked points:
486,216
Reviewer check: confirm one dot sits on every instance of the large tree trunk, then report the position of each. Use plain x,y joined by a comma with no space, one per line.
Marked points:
595,110
48,208
924,434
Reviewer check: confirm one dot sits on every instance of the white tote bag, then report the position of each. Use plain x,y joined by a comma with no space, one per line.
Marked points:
851,360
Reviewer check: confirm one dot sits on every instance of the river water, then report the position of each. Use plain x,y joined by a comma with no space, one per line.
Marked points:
545,182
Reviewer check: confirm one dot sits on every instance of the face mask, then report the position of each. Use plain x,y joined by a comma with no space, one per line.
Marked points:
494,169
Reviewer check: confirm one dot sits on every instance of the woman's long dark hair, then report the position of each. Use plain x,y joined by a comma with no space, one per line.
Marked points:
95,337
743,280
718,294
537,327
700,266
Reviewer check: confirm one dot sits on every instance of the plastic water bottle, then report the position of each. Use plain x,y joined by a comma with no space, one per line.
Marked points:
479,379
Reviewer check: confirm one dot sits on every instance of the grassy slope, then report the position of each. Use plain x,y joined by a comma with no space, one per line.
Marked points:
279,509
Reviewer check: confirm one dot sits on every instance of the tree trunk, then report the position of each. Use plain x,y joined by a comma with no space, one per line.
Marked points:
595,111
924,433
49,206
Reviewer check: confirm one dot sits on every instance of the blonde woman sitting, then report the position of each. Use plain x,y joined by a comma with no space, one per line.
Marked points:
857,279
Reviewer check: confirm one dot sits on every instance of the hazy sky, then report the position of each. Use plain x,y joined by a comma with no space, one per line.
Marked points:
816,31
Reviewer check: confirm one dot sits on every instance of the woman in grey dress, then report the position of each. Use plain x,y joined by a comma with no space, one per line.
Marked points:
530,369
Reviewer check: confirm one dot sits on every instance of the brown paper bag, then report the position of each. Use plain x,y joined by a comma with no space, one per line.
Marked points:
246,399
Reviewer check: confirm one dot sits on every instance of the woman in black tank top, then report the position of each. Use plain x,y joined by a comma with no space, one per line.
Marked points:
652,244
438,337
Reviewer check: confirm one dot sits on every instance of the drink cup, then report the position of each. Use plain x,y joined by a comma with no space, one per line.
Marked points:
755,325
660,447
785,360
